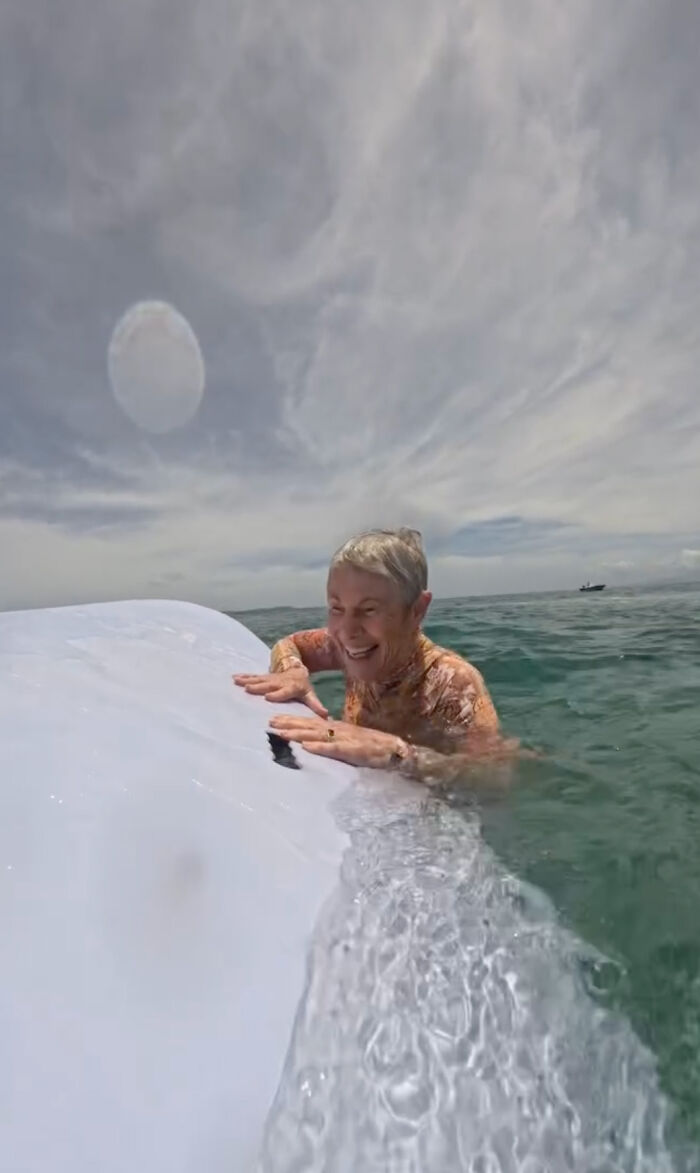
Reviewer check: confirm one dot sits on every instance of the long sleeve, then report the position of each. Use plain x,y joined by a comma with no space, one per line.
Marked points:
463,705
313,648
469,728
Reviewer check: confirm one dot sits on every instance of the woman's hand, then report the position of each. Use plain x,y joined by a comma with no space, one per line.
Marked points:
292,685
348,743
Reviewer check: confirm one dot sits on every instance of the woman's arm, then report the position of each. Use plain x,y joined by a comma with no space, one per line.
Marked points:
313,649
468,724
292,660
432,767
465,723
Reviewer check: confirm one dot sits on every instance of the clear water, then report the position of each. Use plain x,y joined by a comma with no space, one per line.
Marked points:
514,982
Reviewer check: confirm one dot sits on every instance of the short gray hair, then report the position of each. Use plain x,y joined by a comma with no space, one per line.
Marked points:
396,553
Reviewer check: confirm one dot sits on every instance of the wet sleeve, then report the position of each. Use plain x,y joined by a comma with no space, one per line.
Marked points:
463,706
468,723
314,649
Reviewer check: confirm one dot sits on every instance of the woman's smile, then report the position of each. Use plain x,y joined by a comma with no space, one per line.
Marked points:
361,653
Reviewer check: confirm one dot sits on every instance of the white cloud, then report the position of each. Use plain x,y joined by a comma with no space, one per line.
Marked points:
464,240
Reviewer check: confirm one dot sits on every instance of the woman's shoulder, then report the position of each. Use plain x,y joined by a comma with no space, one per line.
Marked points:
448,668
457,694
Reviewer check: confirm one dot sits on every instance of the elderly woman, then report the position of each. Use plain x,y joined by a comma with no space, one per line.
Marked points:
409,704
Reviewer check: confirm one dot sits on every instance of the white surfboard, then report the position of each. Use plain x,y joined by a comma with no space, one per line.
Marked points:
159,878
211,962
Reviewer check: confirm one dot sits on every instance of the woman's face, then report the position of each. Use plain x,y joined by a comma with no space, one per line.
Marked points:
371,624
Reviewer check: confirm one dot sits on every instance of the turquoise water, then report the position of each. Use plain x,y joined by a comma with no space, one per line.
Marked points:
608,823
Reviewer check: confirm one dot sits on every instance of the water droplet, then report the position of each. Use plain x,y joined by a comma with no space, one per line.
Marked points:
156,367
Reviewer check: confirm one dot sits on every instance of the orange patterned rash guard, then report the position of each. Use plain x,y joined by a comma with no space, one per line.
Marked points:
438,700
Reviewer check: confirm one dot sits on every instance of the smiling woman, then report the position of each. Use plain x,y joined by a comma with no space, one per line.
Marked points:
409,704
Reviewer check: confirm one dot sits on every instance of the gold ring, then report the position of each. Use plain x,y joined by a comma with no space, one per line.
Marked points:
331,733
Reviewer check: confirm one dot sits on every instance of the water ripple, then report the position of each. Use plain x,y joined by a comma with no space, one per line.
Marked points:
447,1025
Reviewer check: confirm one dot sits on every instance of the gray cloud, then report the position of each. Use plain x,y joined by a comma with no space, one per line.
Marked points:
442,263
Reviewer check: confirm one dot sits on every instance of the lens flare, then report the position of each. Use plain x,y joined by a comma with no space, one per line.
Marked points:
156,367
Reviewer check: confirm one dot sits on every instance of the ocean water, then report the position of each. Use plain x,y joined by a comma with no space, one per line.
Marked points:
607,825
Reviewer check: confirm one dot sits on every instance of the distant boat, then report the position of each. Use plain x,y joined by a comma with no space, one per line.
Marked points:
596,586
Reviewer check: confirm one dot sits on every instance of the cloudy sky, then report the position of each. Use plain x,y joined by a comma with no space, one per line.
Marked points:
430,262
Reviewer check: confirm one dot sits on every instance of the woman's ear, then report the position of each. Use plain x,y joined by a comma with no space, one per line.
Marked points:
421,605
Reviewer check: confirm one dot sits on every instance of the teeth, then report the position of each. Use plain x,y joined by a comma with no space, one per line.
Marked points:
356,652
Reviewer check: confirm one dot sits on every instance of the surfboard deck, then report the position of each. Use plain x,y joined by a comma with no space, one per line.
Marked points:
160,875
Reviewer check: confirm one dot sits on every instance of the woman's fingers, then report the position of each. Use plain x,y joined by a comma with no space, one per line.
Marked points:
287,693
278,693
300,727
314,703
272,686
343,749
261,687
249,682
325,749
284,719
292,721
275,686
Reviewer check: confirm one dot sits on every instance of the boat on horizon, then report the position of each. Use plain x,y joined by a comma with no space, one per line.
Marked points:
589,586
